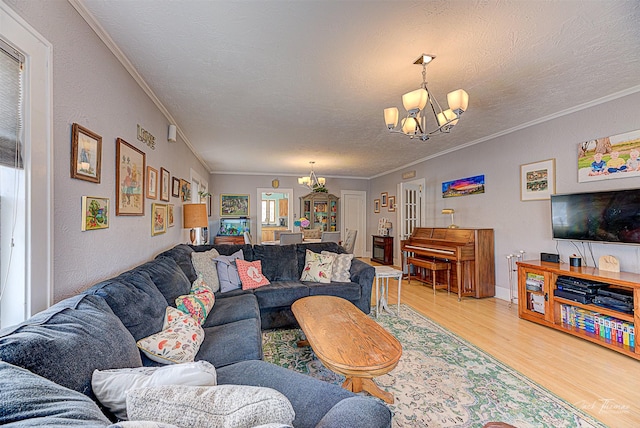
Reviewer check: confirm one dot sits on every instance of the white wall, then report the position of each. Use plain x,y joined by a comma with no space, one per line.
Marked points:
522,225
92,88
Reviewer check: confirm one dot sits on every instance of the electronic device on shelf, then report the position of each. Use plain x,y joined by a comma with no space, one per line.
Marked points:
573,296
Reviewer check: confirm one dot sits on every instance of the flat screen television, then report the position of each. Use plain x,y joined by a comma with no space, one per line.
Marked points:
612,216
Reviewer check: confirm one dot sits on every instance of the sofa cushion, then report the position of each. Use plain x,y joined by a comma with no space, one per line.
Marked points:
199,302
205,266
66,342
250,274
318,267
311,398
111,386
135,299
341,266
232,342
228,271
233,308
29,400
181,254
346,290
177,342
168,277
281,293
279,262
237,406
316,247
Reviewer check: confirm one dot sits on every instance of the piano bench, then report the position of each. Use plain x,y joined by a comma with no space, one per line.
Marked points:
433,266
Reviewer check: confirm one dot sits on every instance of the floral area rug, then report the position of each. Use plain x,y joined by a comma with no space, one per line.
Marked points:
441,380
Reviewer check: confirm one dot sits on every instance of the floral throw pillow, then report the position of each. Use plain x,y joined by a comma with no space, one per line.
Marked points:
341,267
317,267
178,342
251,274
198,302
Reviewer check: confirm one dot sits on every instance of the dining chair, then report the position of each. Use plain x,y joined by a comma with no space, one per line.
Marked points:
277,233
330,237
247,238
349,243
290,238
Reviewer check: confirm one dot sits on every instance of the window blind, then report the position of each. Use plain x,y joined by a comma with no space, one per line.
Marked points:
10,106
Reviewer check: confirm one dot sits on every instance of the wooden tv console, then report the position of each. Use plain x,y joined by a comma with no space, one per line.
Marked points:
544,308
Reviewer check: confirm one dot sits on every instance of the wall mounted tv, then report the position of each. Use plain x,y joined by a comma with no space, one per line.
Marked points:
612,216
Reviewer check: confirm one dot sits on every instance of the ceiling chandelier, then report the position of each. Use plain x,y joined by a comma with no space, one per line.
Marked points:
415,102
313,182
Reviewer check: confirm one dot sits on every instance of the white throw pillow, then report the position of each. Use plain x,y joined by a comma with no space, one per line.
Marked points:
340,271
178,342
317,267
111,386
204,265
237,406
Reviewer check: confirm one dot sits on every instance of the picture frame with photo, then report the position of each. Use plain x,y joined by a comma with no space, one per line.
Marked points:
232,205
130,179
384,199
158,219
376,206
165,185
171,220
392,204
152,183
185,190
538,180
86,154
175,187
95,213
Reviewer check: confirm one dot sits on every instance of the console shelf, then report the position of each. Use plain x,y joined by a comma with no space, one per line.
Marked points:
537,303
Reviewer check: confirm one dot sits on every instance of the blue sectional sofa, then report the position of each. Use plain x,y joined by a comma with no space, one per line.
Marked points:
46,362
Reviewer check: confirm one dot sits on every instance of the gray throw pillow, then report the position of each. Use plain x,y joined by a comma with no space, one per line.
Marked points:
228,271
205,265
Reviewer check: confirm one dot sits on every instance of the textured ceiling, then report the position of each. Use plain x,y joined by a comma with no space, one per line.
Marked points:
267,86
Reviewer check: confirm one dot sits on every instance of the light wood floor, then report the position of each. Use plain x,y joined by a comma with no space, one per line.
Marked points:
602,382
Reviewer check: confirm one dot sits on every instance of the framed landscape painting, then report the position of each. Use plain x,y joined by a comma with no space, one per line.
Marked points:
86,154
234,205
538,180
95,213
130,169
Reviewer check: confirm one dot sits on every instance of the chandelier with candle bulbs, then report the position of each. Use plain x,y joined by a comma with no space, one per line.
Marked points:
417,104
312,181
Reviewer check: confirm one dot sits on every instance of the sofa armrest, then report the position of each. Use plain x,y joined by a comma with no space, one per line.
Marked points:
357,412
363,274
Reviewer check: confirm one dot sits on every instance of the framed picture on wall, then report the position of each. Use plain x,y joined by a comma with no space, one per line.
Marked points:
152,183
384,199
158,219
170,218
165,183
538,180
392,204
234,205
130,169
175,187
95,213
376,206
185,190
86,154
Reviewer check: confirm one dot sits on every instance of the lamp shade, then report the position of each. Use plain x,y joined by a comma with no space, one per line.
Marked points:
391,117
415,101
409,126
194,215
458,101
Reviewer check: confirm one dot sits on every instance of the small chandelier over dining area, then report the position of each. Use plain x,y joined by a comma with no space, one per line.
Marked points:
312,181
417,102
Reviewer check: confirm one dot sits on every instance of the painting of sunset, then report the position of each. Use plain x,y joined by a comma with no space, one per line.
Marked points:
463,186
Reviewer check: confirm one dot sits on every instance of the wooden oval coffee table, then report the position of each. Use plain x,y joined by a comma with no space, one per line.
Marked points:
348,342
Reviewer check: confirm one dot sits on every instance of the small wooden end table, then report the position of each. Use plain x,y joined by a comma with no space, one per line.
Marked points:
348,342
383,273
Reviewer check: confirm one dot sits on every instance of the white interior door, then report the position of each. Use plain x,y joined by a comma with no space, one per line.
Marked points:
353,215
410,210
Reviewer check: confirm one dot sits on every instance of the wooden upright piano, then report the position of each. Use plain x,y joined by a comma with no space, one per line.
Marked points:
470,252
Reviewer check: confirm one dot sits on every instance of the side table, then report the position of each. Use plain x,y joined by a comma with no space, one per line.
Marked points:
383,273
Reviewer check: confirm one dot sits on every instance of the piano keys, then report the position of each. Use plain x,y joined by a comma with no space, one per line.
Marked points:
470,252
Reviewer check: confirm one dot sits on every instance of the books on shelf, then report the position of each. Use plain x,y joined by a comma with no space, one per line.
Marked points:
534,281
605,326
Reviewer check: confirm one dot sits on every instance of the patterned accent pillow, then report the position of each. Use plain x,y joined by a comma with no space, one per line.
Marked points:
178,342
198,302
317,267
341,267
251,274
111,386
228,272
213,406
205,265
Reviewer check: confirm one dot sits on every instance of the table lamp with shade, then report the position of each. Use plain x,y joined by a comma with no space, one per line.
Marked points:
450,211
194,215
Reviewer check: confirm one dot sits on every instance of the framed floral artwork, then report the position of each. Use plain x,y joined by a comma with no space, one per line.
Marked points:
152,183
538,180
185,190
130,178
95,213
158,219
170,217
165,183
86,154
